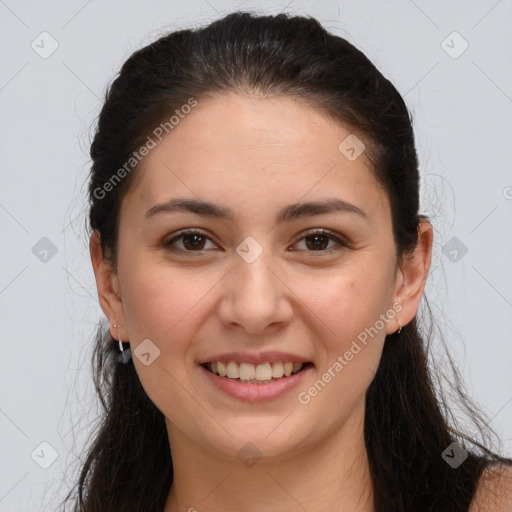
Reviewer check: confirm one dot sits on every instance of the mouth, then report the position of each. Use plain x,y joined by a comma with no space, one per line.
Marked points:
248,373
256,383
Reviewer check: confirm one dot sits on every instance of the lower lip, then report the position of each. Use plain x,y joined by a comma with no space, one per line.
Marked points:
256,392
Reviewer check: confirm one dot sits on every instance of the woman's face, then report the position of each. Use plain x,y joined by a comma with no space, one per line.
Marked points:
259,283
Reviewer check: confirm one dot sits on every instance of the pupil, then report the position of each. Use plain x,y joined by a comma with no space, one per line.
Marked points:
316,237
195,242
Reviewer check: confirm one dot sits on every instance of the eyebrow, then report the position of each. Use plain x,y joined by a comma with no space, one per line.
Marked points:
286,214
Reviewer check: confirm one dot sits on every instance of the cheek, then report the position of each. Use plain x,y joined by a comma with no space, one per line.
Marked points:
160,305
153,299
351,302
351,307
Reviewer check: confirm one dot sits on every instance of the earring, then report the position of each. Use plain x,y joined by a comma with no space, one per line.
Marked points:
124,354
399,330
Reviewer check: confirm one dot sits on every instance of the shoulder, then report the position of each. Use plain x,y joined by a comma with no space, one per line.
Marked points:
494,490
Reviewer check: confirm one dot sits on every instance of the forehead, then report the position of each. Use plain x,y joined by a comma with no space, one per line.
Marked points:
246,151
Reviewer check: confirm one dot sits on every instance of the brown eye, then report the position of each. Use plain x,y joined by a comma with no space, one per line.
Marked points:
195,241
192,241
318,241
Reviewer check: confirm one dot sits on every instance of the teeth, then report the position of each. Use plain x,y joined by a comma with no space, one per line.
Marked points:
277,369
259,373
222,369
232,370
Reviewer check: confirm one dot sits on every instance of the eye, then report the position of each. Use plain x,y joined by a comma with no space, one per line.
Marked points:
319,240
193,241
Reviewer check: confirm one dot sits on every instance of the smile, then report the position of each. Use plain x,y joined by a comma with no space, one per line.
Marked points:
260,373
250,382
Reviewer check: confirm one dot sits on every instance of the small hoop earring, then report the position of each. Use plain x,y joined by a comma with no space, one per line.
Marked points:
120,345
124,354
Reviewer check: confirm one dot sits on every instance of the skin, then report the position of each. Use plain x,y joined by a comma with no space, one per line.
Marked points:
494,491
256,156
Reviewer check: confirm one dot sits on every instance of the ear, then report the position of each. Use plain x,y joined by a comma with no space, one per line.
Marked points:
411,277
107,284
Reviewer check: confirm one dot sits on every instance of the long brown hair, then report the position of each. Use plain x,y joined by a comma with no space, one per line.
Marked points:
407,426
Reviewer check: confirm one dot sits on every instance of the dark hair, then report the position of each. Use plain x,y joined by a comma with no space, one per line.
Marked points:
407,425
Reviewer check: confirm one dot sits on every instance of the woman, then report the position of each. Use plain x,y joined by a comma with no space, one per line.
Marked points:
260,257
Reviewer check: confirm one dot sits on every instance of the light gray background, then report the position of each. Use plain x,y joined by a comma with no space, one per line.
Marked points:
462,115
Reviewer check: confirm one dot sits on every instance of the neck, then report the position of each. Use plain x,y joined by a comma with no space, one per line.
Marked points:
331,475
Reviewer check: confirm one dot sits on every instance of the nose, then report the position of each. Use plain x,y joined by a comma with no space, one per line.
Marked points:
255,297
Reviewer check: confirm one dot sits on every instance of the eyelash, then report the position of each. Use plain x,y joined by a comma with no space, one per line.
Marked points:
341,243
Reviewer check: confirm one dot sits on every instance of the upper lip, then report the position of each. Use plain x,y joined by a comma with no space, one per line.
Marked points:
260,358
